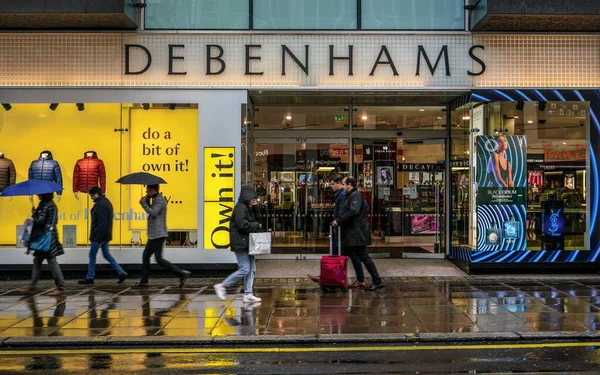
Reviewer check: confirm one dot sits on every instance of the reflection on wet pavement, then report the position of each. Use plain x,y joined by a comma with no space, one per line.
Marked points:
405,305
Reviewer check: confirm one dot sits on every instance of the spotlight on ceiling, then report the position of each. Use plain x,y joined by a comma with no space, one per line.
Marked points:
7,106
172,106
146,106
542,106
53,106
520,106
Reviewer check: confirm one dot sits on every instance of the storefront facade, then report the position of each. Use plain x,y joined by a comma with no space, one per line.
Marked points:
413,116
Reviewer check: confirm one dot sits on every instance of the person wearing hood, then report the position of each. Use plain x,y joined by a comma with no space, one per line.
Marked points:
45,219
101,235
243,222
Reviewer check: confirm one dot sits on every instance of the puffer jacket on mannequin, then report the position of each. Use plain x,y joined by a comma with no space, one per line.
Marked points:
46,169
89,172
8,173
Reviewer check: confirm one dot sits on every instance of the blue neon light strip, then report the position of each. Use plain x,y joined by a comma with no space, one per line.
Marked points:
540,95
557,93
523,95
540,256
596,188
504,95
480,98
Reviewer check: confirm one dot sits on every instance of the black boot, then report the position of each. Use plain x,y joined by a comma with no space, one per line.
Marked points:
374,287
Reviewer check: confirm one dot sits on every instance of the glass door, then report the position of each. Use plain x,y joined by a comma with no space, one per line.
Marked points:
403,181
292,178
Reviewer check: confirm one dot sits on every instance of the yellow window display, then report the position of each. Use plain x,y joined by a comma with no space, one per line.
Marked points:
84,145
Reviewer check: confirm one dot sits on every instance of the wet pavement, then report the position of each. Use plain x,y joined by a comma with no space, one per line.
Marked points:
500,359
298,307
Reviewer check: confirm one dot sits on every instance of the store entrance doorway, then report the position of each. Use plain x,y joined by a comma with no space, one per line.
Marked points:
296,143
292,177
403,180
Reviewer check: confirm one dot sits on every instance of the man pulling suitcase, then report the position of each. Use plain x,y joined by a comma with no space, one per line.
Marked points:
356,235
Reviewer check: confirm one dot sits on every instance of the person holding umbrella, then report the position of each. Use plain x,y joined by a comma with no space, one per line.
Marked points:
45,218
43,241
155,206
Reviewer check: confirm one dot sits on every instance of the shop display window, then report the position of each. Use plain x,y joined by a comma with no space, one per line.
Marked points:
83,145
532,183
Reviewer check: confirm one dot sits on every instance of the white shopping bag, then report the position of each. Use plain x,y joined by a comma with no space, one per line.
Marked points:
260,243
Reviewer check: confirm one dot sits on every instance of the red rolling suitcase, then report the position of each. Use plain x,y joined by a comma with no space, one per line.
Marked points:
334,268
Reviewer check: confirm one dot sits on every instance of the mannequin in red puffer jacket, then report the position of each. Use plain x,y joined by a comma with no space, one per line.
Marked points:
89,172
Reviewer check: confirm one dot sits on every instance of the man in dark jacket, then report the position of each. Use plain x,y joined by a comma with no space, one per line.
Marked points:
356,235
243,222
337,185
101,235
157,235
339,196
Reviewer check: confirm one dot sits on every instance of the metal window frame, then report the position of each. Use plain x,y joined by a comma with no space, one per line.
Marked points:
359,26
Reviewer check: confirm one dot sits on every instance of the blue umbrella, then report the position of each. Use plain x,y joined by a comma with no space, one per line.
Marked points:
31,187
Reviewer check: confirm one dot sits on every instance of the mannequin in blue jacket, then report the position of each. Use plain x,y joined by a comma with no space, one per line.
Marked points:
47,169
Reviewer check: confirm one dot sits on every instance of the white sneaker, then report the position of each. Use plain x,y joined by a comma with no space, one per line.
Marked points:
221,292
249,298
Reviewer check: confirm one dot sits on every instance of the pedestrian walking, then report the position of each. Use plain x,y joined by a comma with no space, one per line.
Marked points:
339,195
45,219
156,206
243,222
356,235
101,235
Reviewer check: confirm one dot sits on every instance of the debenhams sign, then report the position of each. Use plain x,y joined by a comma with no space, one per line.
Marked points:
304,60
216,63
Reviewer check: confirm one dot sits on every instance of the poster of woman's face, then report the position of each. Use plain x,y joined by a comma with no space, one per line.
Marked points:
385,176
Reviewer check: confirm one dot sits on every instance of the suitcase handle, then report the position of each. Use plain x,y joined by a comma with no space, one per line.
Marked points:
339,241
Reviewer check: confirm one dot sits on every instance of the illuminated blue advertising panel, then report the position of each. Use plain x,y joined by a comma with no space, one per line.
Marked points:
501,192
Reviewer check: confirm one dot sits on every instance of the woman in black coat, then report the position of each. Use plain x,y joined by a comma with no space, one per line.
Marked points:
45,219
244,220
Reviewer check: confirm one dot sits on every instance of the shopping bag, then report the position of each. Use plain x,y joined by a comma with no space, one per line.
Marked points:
260,243
25,235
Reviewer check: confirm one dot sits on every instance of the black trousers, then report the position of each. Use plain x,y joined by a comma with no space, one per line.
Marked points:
155,247
362,254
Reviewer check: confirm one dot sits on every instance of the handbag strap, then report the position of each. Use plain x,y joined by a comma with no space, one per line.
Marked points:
54,218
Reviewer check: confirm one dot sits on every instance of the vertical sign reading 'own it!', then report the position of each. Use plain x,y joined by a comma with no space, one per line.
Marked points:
219,195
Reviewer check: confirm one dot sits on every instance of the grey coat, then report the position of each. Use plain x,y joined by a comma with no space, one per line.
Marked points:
157,219
243,221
